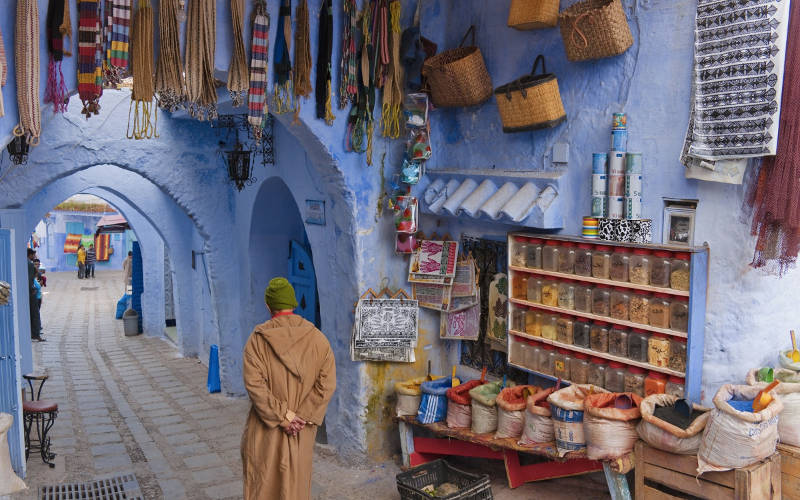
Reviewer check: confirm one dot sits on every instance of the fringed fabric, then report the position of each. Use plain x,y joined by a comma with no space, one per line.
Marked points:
237,70
169,84
257,95
90,69
282,65
118,38
145,114
26,59
322,92
56,88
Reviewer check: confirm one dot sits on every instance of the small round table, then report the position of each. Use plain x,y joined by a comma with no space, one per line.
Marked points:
41,414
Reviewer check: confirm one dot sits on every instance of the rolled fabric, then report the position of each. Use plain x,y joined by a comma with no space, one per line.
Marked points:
436,205
455,200
475,201
433,191
493,205
519,206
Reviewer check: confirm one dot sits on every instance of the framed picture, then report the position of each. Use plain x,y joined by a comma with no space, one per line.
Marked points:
678,226
315,212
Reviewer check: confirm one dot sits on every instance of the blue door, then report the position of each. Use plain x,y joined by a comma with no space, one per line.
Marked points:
10,396
302,278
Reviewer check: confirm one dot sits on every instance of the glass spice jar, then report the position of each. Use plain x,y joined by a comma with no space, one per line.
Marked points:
601,300
638,345
579,368
550,293
532,362
549,326
658,350
634,380
583,297
619,264
518,318
519,287
618,341
615,377
564,329
533,254
658,313
550,254
675,386
620,303
677,354
598,337
640,307
660,265
583,259
639,267
519,350
597,372
581,333
535,289
566,257
679,273
533,323
679,314
566,294
561,364
519,251
546,359
655,383
601,262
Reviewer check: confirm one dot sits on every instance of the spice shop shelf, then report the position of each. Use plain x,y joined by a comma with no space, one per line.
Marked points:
599,281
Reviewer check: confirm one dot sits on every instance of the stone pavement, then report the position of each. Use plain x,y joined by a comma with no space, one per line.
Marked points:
133,405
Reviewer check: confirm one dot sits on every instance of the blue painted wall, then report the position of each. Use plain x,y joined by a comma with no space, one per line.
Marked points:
52,233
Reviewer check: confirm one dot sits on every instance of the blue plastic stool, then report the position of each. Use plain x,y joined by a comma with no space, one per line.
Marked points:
213,369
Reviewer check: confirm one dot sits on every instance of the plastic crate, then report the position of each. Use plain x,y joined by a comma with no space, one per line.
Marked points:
470,486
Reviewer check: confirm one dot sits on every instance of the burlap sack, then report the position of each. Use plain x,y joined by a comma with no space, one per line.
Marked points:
610,432
789,394
665,436
9,482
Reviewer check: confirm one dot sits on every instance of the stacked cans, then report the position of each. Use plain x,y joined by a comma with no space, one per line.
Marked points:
599,184
616,185
590,227
633,186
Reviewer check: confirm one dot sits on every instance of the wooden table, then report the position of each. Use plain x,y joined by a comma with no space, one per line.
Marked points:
465,443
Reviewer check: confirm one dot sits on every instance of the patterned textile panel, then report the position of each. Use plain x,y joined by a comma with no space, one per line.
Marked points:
71,243
101,246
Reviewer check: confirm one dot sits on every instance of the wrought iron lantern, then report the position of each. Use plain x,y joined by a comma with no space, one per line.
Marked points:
18,150
240,165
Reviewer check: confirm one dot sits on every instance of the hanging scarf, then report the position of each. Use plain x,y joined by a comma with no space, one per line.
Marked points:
348,79
237,71
144,123
90,73
324,52
169,70
393,85
302,56
369,61
257,95
117,29
201,88
56,89
3,72
26,59
380,42
282,65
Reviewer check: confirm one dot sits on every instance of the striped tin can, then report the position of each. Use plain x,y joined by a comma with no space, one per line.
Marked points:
616,163
633,185
616,207
619,140
600,163
590,222
599,206
619,121
599,185
633,207
633,163
616,185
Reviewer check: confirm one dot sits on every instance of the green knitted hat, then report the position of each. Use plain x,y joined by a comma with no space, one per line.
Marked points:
279,295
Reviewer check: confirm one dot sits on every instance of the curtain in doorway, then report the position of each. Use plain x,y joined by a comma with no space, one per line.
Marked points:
72,242
101,247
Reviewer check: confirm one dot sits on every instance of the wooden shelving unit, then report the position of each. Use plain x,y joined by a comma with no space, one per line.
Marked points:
599,281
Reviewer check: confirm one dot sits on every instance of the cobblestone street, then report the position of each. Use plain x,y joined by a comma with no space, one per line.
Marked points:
133,405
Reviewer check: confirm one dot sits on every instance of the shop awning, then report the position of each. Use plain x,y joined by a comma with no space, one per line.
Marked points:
112,224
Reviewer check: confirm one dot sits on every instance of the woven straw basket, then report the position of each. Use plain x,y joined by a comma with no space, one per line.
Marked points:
531,102
594,29
458,77
533,14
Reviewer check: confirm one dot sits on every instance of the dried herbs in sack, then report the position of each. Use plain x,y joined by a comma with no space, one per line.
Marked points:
484,407
566,407
511,403
609,424
666,436
789,393
733,439
459,411
538,426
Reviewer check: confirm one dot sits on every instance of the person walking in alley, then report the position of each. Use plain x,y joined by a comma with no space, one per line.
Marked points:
81,261
36,320
290,375
127,268
91,260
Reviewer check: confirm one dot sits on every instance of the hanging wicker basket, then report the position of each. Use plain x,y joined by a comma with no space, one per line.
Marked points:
593,29
532,14
458,77
531,102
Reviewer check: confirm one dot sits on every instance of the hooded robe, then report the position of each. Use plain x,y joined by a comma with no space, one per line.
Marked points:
289,369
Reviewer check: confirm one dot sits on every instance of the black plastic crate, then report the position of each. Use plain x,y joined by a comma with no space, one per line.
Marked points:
470,486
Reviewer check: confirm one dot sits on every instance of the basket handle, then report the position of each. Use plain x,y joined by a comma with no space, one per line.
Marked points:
540,57
518,81
576,29
471,29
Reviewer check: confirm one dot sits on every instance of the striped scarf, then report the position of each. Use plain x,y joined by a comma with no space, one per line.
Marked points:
348,85
257,99
90,61
117,39
26,64
3,72
56,90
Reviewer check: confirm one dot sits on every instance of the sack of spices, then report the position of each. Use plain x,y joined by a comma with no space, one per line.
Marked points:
786,360
566,406
409,394
733,438
538,424
531,102
670,435
610,427
484,407
433,404
511,410
459,413
789,393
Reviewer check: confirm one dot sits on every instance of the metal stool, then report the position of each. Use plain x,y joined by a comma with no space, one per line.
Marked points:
41,414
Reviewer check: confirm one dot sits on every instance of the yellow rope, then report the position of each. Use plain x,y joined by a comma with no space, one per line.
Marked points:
283,98
144,125
370,129
329,116
393,87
